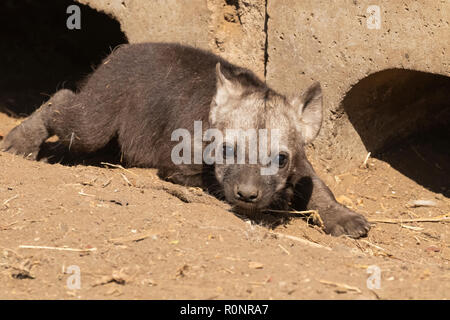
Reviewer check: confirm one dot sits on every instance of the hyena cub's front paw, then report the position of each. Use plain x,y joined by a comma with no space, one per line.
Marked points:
345,221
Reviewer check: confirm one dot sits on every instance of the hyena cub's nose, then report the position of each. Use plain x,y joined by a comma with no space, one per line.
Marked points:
247,193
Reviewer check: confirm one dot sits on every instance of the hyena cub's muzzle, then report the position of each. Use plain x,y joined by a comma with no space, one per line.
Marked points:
249,191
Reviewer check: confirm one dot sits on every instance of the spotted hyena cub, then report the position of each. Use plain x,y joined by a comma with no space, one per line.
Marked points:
200,121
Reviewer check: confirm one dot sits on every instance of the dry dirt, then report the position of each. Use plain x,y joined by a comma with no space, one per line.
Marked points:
139,237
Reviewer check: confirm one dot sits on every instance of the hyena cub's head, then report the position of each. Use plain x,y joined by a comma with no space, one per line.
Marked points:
259,124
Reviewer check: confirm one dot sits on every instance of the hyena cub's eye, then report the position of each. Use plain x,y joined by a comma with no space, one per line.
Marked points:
281,159
228,151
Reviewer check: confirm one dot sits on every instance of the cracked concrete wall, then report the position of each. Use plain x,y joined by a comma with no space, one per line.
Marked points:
294,43
159,20
329,42
237,32
233,29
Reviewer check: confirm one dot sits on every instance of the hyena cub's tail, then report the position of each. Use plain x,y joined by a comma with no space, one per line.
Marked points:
27,138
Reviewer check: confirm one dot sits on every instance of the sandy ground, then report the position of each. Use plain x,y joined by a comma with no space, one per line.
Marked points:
133,236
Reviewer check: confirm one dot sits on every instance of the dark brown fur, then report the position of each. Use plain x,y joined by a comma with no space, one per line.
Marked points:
139,95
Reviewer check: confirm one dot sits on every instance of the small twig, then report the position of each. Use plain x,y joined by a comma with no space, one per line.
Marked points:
284,249
5,203
6,227
106,183
364,164
375,246
263,283
89,183
126,180
117,166
303,241
133,238
369,197
293,211
411,228
306,213
81,192
421,203
228,270
340,286
57,248
443,218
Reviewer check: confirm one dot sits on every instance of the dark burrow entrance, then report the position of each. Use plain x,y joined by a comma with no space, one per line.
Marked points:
39,54
403,118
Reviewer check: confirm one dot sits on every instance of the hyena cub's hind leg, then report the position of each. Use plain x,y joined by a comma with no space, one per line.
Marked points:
27,138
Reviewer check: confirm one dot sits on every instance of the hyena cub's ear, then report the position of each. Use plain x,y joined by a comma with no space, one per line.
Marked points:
227,89
309,107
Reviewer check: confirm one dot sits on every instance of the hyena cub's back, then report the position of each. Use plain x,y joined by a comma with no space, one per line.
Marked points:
142,93
153,86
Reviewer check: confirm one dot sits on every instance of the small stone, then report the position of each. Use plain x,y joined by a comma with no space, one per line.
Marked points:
255,265
432,249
